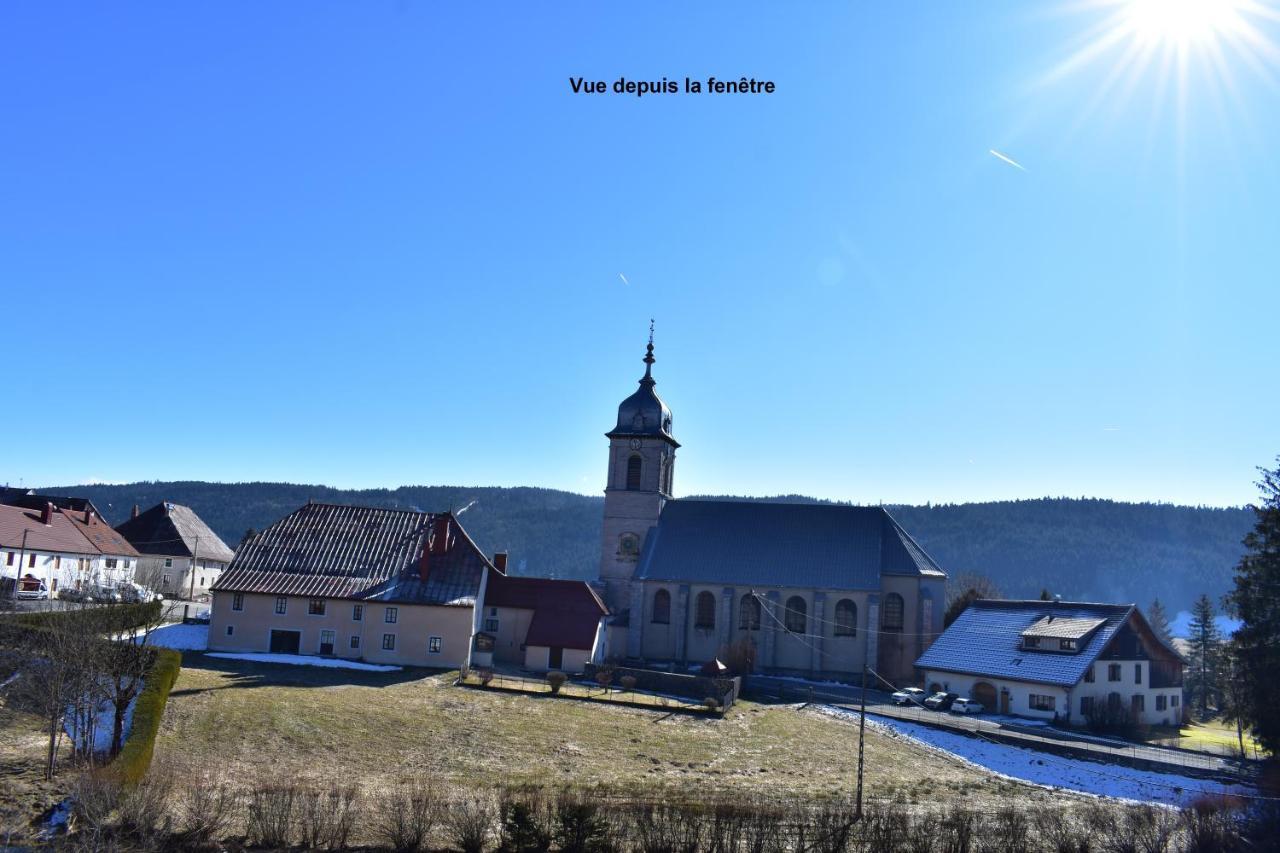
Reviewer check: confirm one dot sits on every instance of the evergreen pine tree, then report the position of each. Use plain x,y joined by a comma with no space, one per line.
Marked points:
1159,621
1256,602
1206,653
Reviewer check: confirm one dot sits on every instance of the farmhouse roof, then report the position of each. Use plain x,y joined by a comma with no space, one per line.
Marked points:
985,640
365,553
827,546
60,534
566,613
32,499
100,534
174,530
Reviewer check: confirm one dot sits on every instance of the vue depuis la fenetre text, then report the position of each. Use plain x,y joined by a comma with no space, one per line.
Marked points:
640,88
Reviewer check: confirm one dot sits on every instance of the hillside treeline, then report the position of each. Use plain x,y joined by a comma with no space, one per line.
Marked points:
1078,548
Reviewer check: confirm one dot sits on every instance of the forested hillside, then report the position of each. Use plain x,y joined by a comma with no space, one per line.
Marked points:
1089,549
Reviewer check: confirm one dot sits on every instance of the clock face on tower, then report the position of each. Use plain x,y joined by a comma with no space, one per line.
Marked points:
635,444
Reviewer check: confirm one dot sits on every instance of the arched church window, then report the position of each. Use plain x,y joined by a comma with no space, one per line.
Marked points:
891,613
629,544
634,466
749,613
661,608
795,616
705,611
846,618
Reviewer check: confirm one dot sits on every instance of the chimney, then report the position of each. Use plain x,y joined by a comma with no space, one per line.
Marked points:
135,511
441,527
500,561
46,515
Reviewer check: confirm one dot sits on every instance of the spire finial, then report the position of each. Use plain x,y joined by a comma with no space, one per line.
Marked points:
648,355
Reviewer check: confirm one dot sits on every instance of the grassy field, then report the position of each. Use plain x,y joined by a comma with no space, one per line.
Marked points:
24,793
1212,736
248,720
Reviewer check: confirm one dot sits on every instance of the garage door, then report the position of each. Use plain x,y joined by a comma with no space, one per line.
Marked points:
985,695
285,642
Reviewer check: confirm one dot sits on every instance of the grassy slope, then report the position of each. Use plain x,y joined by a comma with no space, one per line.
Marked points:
24,793
324,725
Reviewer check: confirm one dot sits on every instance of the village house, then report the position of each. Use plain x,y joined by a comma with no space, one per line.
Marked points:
379,585
813,590
540,624
51,550
1060,660
397,587
181,556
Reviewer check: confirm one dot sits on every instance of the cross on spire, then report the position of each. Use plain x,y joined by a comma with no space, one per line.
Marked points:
648,355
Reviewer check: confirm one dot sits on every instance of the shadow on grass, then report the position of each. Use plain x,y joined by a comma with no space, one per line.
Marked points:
243,674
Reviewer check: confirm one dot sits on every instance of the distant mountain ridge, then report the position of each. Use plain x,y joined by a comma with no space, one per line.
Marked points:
1084,548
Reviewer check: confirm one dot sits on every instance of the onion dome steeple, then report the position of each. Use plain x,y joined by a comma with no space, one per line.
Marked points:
643,413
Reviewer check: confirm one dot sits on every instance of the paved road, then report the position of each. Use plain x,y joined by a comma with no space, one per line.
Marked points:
1033,737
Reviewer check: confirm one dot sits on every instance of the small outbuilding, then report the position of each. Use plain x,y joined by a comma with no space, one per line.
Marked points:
544,624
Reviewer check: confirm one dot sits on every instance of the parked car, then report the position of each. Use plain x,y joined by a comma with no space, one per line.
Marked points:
941,701
30,587
909,696
134,593
102,593
72,594
965,705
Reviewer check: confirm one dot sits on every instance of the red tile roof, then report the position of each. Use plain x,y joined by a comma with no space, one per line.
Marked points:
61,534
565,613
100,534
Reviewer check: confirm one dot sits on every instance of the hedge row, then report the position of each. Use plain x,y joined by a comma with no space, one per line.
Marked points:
105,618
148,710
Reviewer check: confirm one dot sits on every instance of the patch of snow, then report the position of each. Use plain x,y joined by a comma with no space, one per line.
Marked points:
179,636
1051,771
105,718
305,660
56,822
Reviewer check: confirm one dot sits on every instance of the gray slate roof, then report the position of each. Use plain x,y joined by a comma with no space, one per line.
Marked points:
776,544
174,530
984,640
361,553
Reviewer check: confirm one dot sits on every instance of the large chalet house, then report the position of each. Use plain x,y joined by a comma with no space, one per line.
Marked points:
812,590
1060,660
396,587
52,548
181,556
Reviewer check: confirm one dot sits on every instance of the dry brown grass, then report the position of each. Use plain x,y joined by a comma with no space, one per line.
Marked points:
24,793
250,720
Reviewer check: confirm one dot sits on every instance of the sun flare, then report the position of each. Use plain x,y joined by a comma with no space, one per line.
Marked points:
1181,22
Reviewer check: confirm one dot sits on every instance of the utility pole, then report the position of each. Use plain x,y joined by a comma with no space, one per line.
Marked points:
17,570
862,730
194,552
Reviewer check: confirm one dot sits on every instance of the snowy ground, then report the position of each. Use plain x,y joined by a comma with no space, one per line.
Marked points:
1054,771
181,637
102,726
305,660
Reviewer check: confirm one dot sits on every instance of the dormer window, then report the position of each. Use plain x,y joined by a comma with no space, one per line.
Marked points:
1067,645
1031,642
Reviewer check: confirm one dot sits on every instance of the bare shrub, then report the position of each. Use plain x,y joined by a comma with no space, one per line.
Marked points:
956,830
406,815
833,826
1060,832
95,798
604,677
764,829
470,822
1008,830
272,813
203,811
146,807
1149,829
628,682
326,817
1208,827
556,680
922,836
579,825
727,829
527,822
885,827
666,828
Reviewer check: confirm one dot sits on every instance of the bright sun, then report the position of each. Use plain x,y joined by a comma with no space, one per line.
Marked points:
1183,22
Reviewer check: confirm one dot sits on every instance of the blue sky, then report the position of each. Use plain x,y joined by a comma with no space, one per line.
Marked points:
378,243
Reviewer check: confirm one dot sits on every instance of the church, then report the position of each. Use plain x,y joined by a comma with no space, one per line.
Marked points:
812,590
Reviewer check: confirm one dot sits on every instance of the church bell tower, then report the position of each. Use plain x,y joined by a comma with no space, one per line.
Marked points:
642,456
